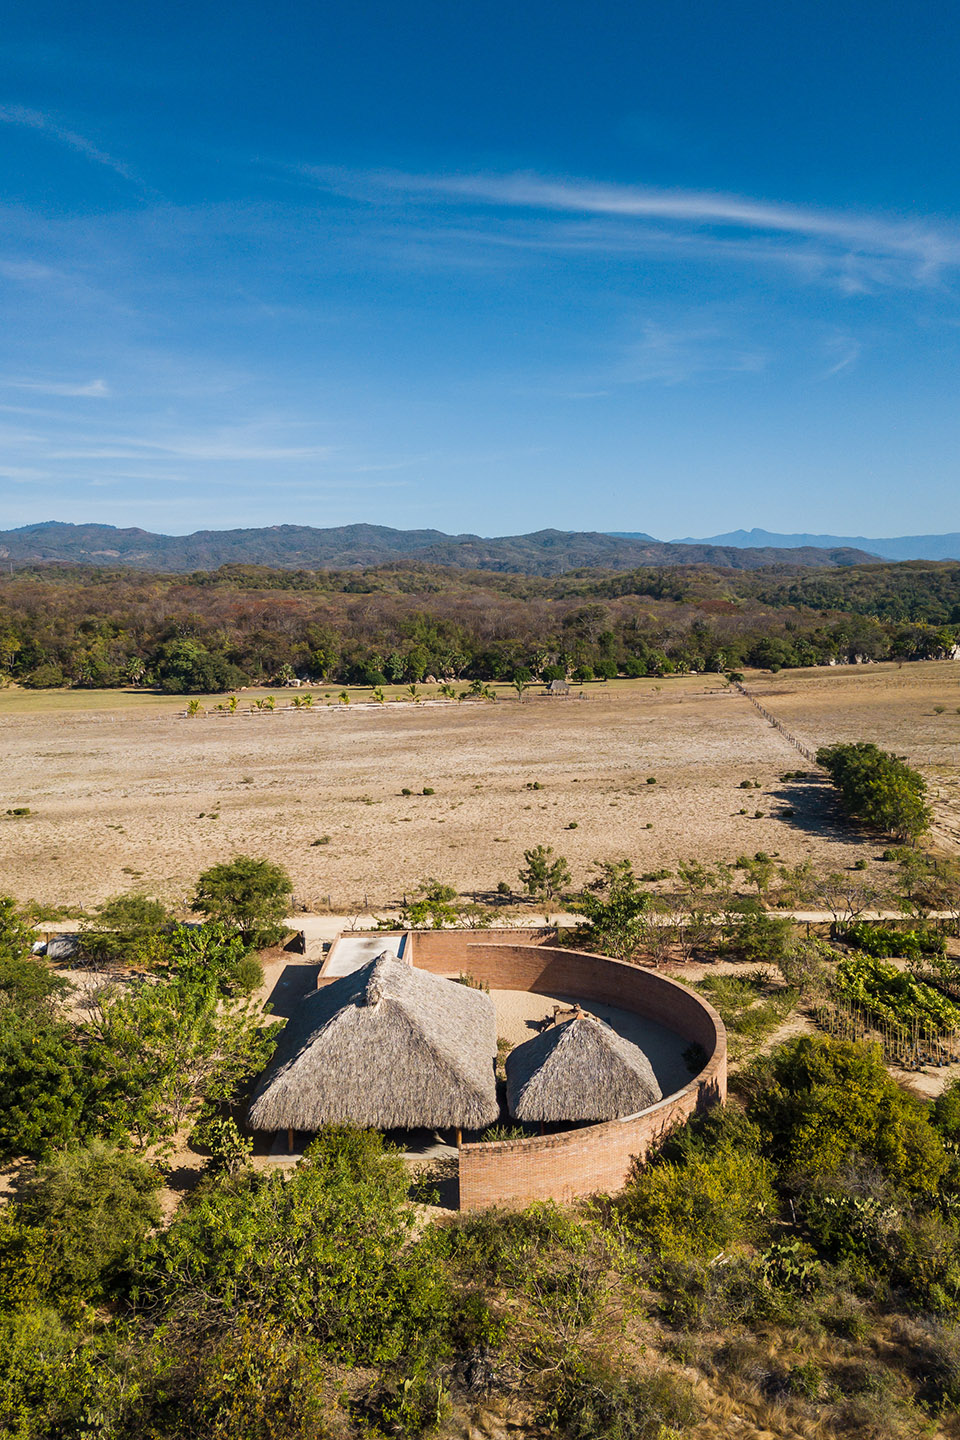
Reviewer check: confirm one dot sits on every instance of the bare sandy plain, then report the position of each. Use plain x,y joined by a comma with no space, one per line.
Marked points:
125,793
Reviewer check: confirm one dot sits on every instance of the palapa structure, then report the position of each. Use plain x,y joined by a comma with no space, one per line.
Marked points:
579,1069
388,1047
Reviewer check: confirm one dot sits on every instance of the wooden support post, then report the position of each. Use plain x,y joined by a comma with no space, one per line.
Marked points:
459,1137
290,1139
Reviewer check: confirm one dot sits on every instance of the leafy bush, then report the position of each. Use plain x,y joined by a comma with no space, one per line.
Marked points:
892,995
85,1212
325,1254
694,1208
128,930
877,788
884,941
822,1102
751,934
591,1399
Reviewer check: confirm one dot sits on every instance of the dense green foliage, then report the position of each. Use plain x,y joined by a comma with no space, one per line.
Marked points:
894,996
251,895
884,941
215,631
796,1251
136,1063
877,788
821,1103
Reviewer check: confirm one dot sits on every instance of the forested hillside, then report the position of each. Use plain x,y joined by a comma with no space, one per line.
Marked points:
545,552
217,630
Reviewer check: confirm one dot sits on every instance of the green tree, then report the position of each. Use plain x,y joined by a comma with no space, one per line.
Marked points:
433,906
250,895
325,1253
92,1206
877,788
821,1102
156,1053
43,1084
544,874
620,916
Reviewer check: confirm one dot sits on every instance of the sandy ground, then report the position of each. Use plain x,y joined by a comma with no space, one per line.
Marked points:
895,706
131,796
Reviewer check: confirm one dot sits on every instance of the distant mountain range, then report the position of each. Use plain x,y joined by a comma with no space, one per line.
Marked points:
899,547
546,552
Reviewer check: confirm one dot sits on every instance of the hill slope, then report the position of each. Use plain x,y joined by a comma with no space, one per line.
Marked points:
898,547
545,552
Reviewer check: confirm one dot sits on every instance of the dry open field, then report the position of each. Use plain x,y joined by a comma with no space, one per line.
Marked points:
126,794
895,706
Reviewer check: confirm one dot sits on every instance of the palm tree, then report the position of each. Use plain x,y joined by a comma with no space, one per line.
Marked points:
343,698
414,693
232,704
269,703
194,707
378,695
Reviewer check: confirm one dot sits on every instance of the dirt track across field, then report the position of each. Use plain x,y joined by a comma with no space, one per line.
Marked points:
131,796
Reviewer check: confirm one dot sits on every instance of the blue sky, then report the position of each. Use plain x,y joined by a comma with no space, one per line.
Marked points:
481,266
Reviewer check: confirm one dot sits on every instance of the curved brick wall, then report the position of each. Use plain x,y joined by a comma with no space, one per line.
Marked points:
596,1157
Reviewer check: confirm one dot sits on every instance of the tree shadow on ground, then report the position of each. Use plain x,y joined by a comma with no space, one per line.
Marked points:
437,1183
810,805
294,983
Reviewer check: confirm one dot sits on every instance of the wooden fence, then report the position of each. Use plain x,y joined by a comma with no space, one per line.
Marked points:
804,750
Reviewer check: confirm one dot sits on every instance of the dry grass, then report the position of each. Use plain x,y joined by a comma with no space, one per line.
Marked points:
125,795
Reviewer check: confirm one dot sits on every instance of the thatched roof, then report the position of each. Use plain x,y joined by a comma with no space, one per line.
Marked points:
387,1046
579,1070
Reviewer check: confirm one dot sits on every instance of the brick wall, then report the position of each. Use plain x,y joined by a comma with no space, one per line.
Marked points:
595,1157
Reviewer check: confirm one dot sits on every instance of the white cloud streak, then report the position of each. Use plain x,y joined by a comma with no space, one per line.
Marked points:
925,247
47,125
88,390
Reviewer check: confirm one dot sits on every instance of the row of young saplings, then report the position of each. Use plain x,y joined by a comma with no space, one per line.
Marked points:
913,1045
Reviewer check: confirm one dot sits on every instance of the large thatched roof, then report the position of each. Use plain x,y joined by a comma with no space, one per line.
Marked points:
580,1070
386,1046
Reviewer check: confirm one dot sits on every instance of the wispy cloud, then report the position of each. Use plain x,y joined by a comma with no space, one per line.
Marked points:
845,351
674,355
48,125
639,214
86,390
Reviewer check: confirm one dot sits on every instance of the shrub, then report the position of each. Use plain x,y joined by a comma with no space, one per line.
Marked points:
821,1102
751,934
877,788
325,1254
250,895
92,1207
589,1399
694,1209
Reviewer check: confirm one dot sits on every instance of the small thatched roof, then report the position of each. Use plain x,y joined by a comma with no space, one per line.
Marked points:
579,1070
387,1046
